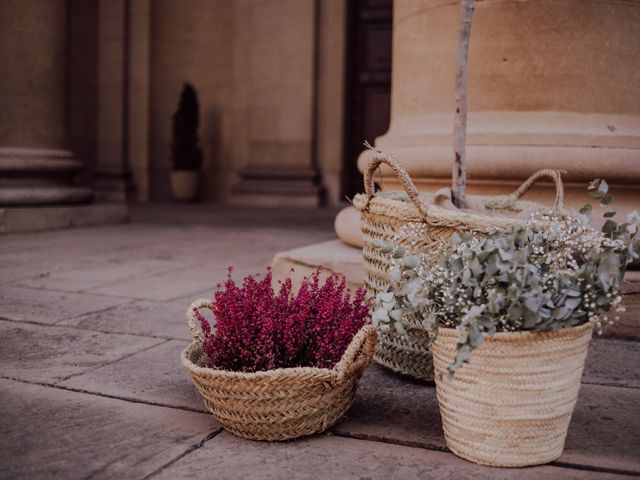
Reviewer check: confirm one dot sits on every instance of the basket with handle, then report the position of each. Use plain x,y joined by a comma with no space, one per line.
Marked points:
412,220
278,404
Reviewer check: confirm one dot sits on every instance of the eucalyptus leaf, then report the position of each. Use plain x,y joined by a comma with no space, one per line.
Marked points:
586,209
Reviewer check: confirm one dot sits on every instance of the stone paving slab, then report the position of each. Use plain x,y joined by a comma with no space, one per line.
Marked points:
392,408
226,457
604,432
45,306
613,362
142,317
74,277
631,282
43,353
180,283
51,433
628,325
154,375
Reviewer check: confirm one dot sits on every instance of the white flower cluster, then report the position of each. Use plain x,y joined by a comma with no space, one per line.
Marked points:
552,272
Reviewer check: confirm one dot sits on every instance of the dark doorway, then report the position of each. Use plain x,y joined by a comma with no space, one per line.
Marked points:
368,92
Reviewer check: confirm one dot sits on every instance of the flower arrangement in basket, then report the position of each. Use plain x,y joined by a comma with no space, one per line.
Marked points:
276,366
512,314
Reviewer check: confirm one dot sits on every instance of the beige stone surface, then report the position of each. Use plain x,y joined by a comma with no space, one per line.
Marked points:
349,227
391,408
523,56
49,432
102,393
130,378
27,219
46,306
32,85
332,256
551,85
47,354
344,458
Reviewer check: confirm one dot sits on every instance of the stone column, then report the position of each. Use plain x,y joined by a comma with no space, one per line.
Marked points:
551,84
277,67
35,165
113,181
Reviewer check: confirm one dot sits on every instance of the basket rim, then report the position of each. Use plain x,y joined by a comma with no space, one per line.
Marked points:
584,328
337,371
438,213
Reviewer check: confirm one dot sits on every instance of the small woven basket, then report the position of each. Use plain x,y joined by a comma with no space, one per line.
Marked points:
278,404
385,216
511,405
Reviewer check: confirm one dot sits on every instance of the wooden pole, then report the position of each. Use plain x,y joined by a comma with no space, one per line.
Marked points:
459,170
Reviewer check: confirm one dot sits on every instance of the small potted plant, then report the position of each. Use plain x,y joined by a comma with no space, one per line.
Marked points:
276,366
186,155
512,314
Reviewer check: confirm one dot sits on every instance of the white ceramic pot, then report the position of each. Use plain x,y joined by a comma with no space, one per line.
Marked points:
184,185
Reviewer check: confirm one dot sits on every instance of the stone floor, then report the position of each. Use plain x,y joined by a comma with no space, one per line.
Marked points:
92,326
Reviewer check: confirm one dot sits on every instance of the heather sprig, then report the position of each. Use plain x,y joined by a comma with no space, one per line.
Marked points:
258,329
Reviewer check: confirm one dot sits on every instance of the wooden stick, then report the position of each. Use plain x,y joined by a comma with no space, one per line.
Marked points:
459,170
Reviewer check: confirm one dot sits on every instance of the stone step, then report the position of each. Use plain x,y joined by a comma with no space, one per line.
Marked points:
336,256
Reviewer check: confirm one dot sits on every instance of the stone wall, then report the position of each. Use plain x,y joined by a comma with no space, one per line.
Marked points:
255,73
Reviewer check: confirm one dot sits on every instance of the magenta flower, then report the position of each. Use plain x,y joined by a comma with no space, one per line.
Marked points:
258,329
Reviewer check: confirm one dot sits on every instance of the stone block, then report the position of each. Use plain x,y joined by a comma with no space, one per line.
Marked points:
613,362
52,433
141,317
333,256
29,219
43,353
154,375
226,458
603,433
47,306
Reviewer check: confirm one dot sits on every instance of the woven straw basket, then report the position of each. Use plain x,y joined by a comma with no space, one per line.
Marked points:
385,216
511,405
278,404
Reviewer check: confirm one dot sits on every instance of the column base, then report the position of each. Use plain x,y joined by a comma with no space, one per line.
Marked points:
31,219
30,176
278,188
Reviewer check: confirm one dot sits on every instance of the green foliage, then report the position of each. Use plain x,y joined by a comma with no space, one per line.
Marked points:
185,152
550,273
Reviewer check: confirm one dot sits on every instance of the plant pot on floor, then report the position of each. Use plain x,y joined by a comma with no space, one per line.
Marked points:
278,404
184,185
511,405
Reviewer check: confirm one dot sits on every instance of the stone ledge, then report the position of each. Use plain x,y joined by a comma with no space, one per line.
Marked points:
333,256
31,219
336,256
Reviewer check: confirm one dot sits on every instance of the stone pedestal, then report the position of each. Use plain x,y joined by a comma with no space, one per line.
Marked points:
551,85
35,166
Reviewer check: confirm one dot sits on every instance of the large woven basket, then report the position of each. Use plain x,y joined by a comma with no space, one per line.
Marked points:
278,404
386,216
511,405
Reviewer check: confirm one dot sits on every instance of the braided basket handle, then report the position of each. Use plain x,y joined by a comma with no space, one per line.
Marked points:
555,175
399,171
359,352
192,320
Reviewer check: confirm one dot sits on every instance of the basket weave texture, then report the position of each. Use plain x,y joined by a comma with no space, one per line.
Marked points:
511,405
278,404
386,216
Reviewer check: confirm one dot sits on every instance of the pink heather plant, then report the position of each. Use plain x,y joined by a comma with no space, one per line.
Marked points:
257,329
